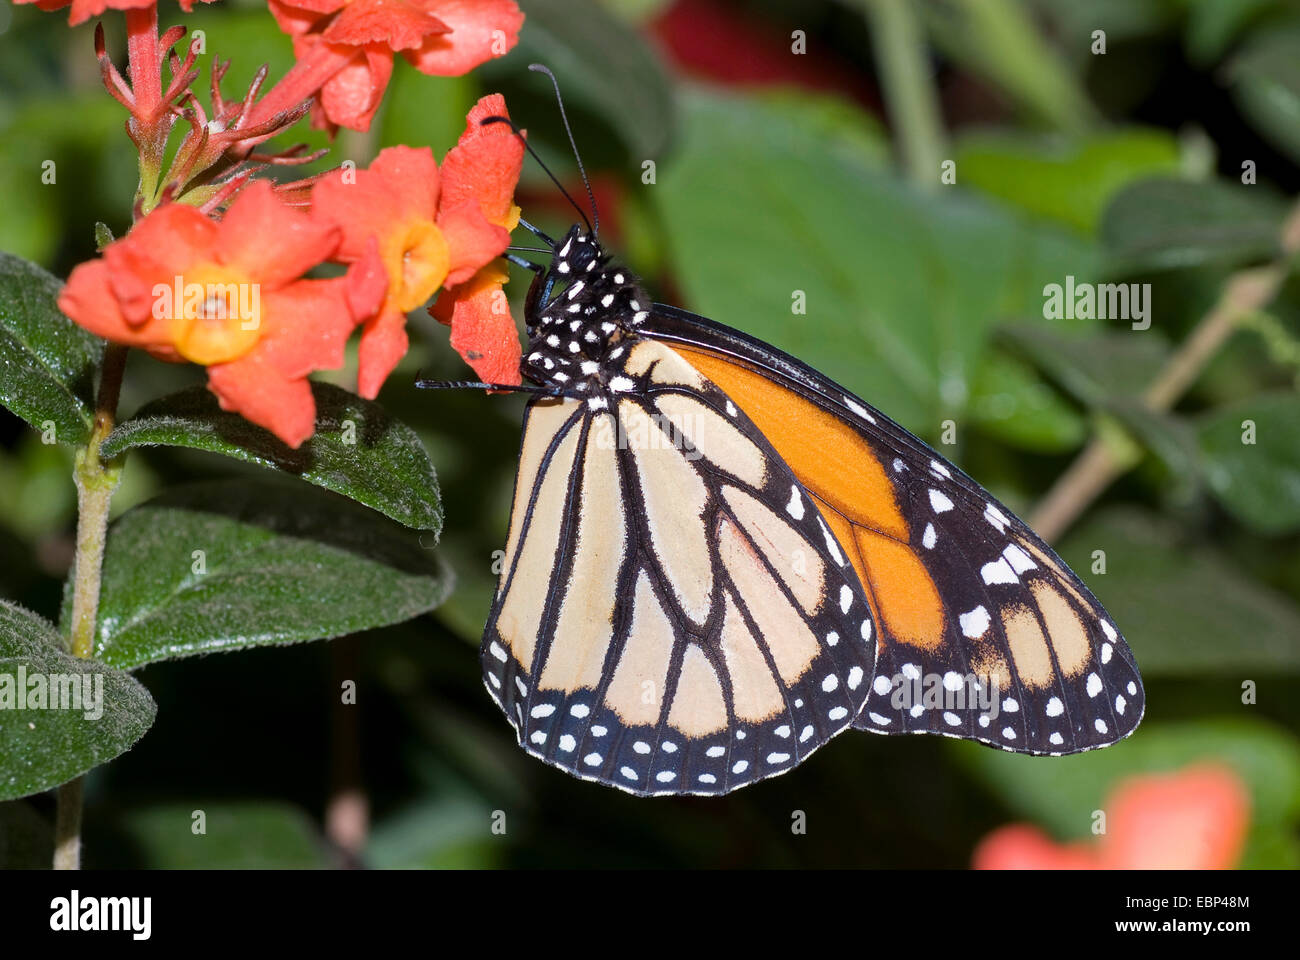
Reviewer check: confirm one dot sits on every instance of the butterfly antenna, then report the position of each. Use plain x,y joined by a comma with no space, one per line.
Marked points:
533,153
595,213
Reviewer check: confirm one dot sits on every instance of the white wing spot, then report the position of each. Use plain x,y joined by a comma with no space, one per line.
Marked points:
877,718
855,677
881,685
592,759
830,683
567,743
996,517
846,598
1055,707
939,501
951,719
998,571
1100,724
795,506
930,538
974,623
1094,684
838,713
1018,559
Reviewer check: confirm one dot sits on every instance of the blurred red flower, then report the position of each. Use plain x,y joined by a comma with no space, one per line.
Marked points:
421,228
438,37
83,10
1195,819
229,295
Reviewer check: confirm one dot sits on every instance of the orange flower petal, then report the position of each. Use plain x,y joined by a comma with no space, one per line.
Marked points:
1192,820
351,97
256,390
269,241
161,247
474,25
383,344
411,177
367,284
88,299
485,164
401,24
471,240
482,330
296,349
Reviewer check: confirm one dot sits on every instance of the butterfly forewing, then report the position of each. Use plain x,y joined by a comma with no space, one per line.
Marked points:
983,632
674,614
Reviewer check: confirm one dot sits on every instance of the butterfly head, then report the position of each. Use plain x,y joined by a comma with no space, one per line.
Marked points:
577,313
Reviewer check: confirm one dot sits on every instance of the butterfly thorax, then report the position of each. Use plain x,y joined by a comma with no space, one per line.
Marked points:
591,308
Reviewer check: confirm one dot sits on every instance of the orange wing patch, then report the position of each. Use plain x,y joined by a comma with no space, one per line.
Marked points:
853,492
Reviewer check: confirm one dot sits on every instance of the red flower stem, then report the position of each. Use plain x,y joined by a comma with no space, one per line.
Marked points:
144,60
150,121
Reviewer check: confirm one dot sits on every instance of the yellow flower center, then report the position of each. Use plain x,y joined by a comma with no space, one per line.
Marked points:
417,260
215,314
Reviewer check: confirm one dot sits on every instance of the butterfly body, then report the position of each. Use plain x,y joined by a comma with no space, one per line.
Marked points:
718,560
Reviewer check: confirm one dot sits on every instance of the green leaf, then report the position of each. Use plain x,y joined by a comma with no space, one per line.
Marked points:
357,450
1093,368
1258,482
50,363
87,713
1063,793
226,565
1011,402
1065,179
1185,609
1266,84
1158,224
238,835
602,63
901,288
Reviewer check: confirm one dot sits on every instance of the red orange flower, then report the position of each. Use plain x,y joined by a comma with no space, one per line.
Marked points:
1192,820
420,228
230,296
485,165
83,10
438,37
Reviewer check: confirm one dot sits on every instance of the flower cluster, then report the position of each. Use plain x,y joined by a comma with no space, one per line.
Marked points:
233,294
216,269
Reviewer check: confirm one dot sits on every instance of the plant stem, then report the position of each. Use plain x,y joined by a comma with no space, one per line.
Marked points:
96,481
1096,468
905,76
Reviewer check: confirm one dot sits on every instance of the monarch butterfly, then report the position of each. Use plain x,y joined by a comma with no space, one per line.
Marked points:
718,559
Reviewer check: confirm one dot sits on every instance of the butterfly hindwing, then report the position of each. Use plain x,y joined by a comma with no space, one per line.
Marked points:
673,615
984,633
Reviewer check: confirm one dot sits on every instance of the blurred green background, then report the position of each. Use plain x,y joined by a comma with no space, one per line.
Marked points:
732,170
